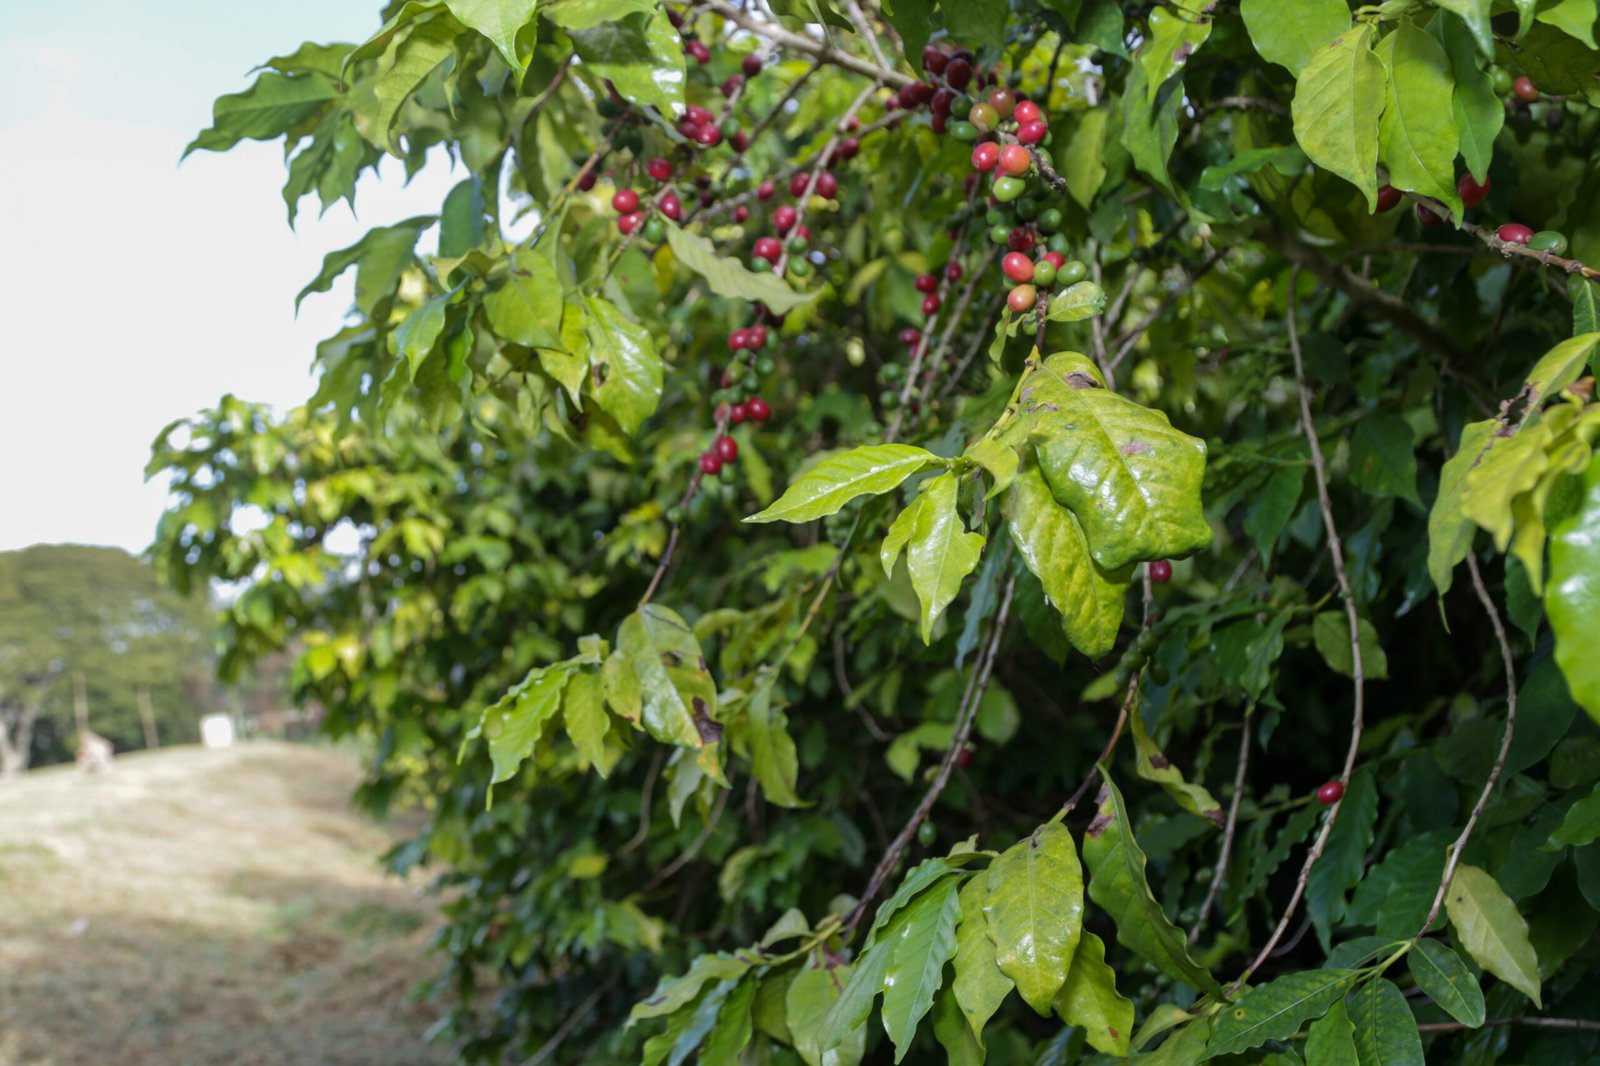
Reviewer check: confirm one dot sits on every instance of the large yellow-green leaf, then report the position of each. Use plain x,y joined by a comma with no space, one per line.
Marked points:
509,24
624,361
838,479
1559,367
1091,600
1479,111
1417,137
1475,13
672,994
1450,532
1385,1029
1035,912
1338,101
1132,480
980,986
1490,928
1174,36
1445,978
1076,302
1089,999
731,278
1512,465
1576,18
812,993
527,308
1289,32
1118,885
584,713
940,553
1572,600
514,723
677,699
1533,510
1154,766
1277,1009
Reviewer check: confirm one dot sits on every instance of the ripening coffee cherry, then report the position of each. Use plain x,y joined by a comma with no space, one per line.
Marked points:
1330,793
1020,240
764,191
1008,188
1388,197
1055,259
1027,111
586,180
942,101
756,337
738,413
930,304
1004,101
699,51
626,224
1017,266
1022,298
1161,571
751,66
741,213
659,169
986,156
984,117
726,448
783,219
958,72
1472,194
952,271
1032,132
910,336
1514,233
1014,159
927,283
1524,89
655,231
710,464
757,409
963,760
1428,219
827,185
768,248
798,183
671,206
625,202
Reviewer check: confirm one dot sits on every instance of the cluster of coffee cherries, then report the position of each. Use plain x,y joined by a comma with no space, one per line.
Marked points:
736,400
791,237
1472,194
1523,96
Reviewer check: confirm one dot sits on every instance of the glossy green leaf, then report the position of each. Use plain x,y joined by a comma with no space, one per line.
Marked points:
584,713
678,699
927,872
642,55
1076,302
1385,1029
996,457
1152,765
1331,1039
1585,309
269,108
1080,155
527,309
1089,999
1287,160
1338,102
1475,14
1330,631
1581,824
1290,32
731,278
509,24
380,257
1490,928
1344,857
408,60
1479,111
1382,462
772,751
1512,465
1175,34
1035,912
1575,18
1183,1047
415,336
1091,601
624,360
1572,598
1559,367
920,940
812,993
730,1033
939,552
1277,1010
980,986
1130,478
1450,531
950,1028
514,724
672,994
1440,973
1118,885
870,470
1418,138
1150,134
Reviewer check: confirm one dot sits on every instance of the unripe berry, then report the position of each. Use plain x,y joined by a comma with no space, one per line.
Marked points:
1514,233
1004,101
727,449
757,409
1022,298
986,156
1330,793
930,304
659,169
1014,159
710,464
927,283
626,201
1044,273
1161,571
1008,188
784,218
983,116
751,66
1017,266
1472,194
1027,111
1032,132
1071,272
1388,197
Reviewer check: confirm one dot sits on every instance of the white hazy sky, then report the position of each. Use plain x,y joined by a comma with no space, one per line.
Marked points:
134,291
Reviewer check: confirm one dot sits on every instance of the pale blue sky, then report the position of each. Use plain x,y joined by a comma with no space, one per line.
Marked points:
134,291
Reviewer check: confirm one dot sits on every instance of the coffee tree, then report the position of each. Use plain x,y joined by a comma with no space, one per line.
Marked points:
1050,531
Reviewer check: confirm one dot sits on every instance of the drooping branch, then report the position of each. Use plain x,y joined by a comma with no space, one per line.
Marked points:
1319,468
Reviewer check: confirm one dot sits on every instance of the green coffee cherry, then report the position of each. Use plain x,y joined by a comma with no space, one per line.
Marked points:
1548,240
926,834
655,231
1049,220
800,266
1071,272
966,133
999,234
888,399
1008,188
1059,243
1044,272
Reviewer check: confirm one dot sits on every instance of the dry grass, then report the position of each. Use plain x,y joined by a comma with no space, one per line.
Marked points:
197,907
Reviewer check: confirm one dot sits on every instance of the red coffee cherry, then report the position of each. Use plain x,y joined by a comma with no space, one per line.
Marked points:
1472,194
1428,219
910,336
727,449
849,148
784,218
587,180
964,758
768,248
626,224
986,156
698,115
798,183
827,186
1020,240
751,66
917,93
1524,89
927,283
741,213
1514,233
958,72
738,413
701,53
1032,132
1055,259
731,84
708,136
1022,298
764,191
757,335
1388,197
942,99
1027,111
952,271
739,141
710,464
1014,159
1161,571
625,201
671,206
757,409
659,169
933,59
930,304
1330,793
707,198
1017,266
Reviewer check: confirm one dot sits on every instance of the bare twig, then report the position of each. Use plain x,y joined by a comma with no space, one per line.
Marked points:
1129,703
1581,1024
1130,336
864,29
1319,467
954,321
1460,844
584,1011
801,43
966,715
644,804
1228,829
694,845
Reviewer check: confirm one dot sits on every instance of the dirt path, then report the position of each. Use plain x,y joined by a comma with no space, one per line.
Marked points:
196,907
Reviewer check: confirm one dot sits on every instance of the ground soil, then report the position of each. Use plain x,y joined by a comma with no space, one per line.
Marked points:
195,907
